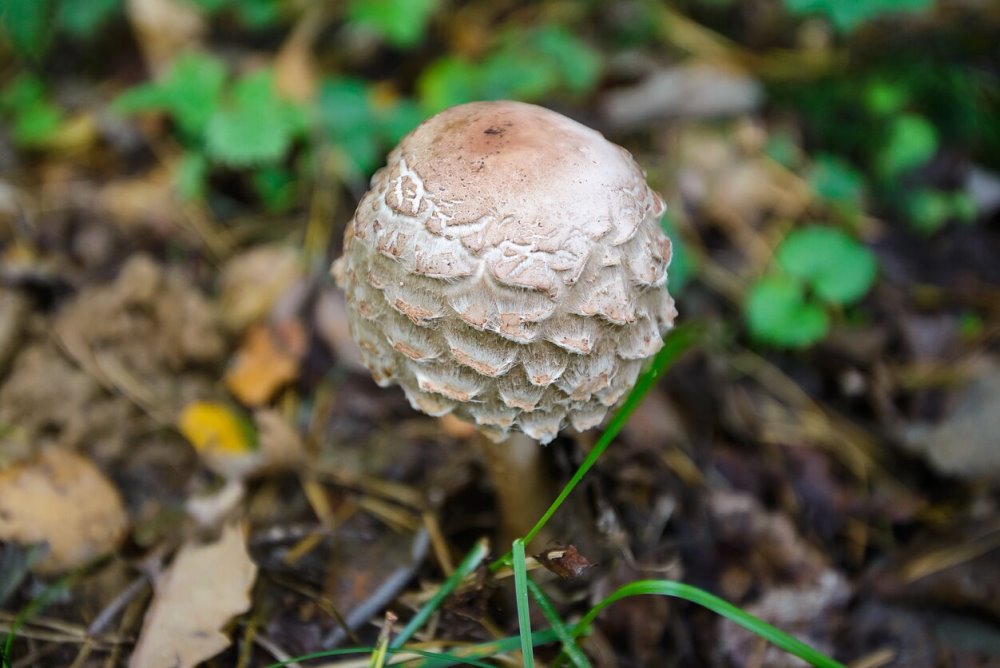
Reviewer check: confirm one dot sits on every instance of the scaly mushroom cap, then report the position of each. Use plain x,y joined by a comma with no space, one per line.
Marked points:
508,265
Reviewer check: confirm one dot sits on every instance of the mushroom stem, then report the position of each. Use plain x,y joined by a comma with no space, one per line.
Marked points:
522,483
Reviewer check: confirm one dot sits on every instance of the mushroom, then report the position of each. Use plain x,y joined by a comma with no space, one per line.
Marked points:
507,266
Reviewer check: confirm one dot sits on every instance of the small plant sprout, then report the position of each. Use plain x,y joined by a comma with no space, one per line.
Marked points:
507,266
817,268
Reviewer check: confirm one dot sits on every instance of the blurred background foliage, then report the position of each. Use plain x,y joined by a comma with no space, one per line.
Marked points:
883,107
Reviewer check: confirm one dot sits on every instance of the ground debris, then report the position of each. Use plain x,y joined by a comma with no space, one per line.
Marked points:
60,499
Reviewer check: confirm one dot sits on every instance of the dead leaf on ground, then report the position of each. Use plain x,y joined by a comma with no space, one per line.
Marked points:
252,282
164,28
204,587
964,444
223,440
267,360
62,499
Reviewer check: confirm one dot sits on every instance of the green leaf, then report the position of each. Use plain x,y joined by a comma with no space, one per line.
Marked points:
849,14
513,73
191,176
884,98
275,186
34,119
21,93
912,141
36,124
346,114
577,64
836,181
28,25
930,210
402,23
190,92
836,267
257,14
446,82
82,19
777,313
254,126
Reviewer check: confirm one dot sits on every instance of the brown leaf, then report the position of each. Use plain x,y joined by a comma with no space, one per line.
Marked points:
565,562
164,28
267,360
201,591
252,283
61,499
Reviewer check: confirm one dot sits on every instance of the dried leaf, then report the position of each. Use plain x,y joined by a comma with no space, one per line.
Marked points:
267,360
565,562
223,440
62,499
201,591
164,28
252,283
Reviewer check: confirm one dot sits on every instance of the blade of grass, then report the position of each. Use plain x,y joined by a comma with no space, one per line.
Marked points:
523,613
717,605
572,650
38,604
676,343
468,564
382,646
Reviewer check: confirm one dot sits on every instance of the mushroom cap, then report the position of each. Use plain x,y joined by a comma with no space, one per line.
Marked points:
508,265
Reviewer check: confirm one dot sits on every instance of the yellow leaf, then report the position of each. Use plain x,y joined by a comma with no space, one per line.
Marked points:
213,429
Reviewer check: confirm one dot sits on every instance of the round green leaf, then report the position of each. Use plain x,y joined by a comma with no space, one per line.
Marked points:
836,267
912,141
777,313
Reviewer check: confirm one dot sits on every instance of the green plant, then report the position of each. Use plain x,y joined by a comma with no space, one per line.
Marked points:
361,126
816,268
401,23
846,15
34,119
523,66
239,124
30,26
680,340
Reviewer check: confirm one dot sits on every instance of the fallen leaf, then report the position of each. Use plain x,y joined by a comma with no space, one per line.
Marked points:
204,587
280,445
62,499
223,440
164,28
267,360
565,562
252,282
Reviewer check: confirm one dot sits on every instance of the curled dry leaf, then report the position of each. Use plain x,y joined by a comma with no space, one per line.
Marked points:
565,562
267,360
199,593
60,498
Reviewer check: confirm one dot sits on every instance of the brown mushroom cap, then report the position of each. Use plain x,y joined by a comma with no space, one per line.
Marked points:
508,264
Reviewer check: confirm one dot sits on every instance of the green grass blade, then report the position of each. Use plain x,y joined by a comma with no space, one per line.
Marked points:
572,650
468,564
521,594
35,606
679,340
773,635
